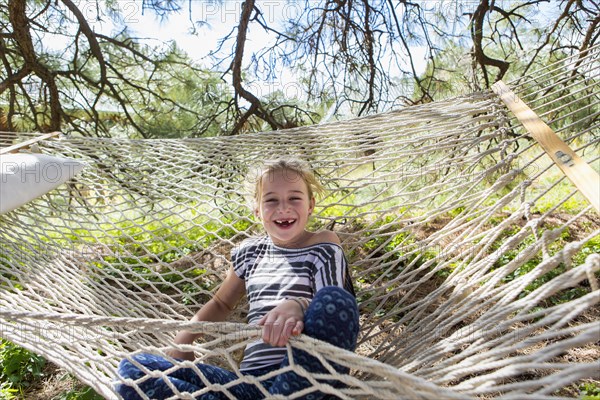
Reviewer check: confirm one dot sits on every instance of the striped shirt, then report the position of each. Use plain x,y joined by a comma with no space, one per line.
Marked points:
272,273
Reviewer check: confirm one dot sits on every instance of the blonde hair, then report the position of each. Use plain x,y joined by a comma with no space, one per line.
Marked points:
296,165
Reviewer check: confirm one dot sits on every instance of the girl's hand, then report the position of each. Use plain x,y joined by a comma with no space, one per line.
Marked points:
183,337
182,355
281,323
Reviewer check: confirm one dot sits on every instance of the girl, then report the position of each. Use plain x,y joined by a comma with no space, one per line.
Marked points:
296,282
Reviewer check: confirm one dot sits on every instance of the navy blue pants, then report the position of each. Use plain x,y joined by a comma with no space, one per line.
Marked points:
332,317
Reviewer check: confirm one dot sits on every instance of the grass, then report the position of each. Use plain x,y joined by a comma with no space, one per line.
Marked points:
85,393
589,391
19,367
590,247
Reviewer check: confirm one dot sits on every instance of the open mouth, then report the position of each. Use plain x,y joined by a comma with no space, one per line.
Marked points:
284,223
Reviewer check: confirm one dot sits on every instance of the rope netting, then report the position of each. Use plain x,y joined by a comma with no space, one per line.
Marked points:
475,262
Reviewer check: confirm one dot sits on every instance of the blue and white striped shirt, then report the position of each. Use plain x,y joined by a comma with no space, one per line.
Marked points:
272,273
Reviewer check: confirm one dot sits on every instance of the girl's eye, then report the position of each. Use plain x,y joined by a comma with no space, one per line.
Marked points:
295,198
270,200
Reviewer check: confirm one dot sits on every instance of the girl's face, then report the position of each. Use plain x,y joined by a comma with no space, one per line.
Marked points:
284,207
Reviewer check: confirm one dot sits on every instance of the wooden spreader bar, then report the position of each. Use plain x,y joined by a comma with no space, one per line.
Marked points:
16,147
574,167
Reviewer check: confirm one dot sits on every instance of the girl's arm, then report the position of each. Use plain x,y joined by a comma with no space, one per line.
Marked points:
216,309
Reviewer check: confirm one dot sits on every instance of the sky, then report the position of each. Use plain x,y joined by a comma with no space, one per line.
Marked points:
218,20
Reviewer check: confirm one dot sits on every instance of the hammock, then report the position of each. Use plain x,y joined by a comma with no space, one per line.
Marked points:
475,259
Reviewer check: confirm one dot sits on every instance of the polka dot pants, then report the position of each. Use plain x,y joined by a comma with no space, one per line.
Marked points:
332,317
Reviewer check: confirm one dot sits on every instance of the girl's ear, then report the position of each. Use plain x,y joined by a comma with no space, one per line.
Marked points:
311,206
257,212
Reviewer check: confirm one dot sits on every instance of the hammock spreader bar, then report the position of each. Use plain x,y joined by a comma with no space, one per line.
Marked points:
574,167
27,143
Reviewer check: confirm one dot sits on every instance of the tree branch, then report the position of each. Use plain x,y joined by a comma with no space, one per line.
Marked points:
564,14
255,104
477,35
369,43
20,24
84,27
588,41
14,78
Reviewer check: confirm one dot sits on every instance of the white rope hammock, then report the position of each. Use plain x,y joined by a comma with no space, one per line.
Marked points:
475,261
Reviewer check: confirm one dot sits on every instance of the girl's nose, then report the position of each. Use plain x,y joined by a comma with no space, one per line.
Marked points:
284,205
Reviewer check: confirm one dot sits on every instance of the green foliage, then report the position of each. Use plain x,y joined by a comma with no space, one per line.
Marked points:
573,205
139,248
85,393
19,367
8,393
188,100
387,240
167,239
390,244
589,391
592,246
